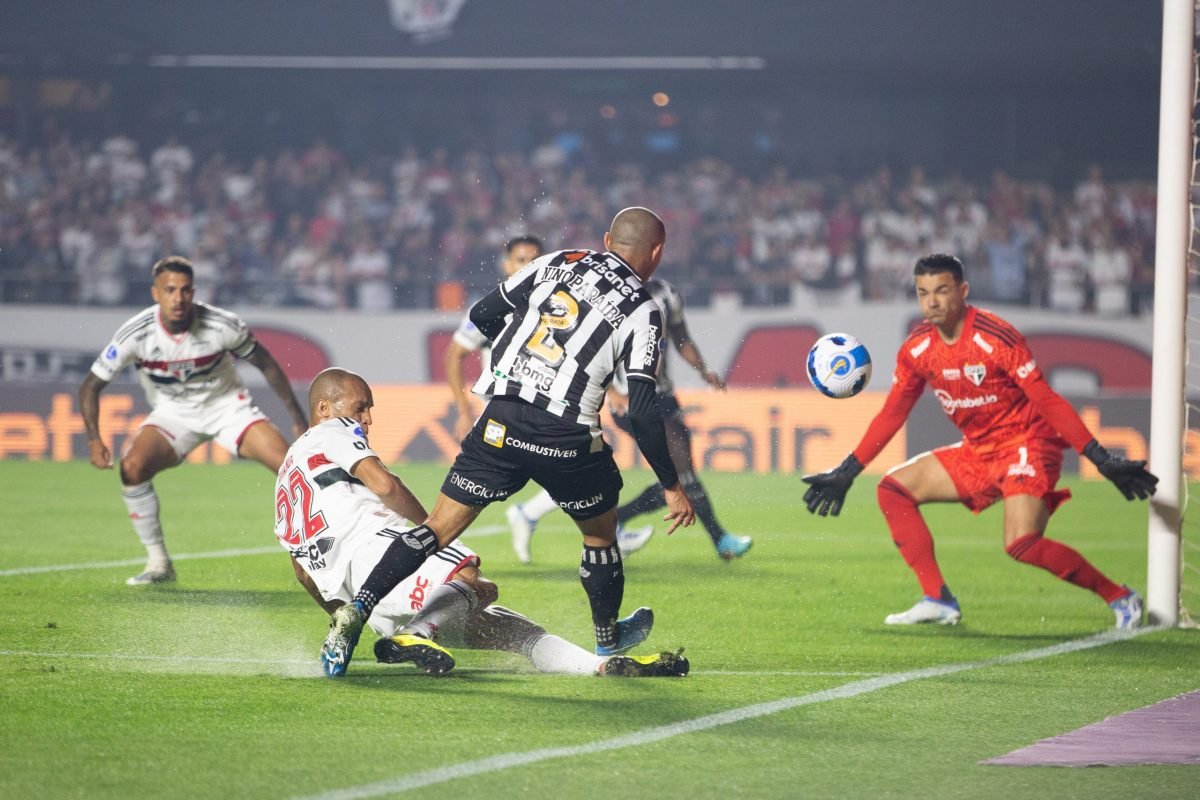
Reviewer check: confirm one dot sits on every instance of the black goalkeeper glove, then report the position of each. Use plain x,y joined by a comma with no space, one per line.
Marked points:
827,490
1131,478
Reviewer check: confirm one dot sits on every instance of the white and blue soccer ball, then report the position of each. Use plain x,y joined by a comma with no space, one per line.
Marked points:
839,365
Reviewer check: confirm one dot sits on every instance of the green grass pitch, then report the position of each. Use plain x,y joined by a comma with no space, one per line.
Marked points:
209,687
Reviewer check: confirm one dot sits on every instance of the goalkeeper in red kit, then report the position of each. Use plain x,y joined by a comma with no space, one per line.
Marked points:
1014,430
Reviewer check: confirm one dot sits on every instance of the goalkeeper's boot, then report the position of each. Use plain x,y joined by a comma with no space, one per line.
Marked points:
663,665
522,528
630,632
345,626
158,573
424,654
927,609
730,547
630,540
1128,609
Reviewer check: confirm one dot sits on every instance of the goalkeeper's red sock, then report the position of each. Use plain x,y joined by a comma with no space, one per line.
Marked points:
912,537
1066,563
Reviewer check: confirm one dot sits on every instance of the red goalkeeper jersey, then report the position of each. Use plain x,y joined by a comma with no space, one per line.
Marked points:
987,382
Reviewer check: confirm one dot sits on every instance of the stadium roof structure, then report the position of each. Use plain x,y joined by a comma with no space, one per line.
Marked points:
942,41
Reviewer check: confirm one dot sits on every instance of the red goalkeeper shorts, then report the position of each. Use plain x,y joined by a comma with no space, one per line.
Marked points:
1029,467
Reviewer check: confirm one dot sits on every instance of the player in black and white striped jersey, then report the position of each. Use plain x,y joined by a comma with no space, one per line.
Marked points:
559,329
522,517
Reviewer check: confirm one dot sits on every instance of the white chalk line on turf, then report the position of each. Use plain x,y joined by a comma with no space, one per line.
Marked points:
483,530
466,769
166,659
137,562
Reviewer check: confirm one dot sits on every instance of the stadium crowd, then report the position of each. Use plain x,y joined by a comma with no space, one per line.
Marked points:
82,221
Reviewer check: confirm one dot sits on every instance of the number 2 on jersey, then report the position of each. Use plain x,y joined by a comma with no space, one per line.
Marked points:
560,312
298,493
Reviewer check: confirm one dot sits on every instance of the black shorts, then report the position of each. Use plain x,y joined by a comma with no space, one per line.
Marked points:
514,442
668,408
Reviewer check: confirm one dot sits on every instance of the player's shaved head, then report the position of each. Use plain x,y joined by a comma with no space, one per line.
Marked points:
332,385
637,227
637,235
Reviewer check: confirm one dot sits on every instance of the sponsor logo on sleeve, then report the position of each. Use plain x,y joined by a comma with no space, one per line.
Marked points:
653,346
983,344
1026,368
111,352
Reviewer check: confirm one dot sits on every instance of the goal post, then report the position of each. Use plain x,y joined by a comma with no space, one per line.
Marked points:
1168,404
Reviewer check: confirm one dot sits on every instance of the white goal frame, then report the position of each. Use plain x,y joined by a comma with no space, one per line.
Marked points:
1168,406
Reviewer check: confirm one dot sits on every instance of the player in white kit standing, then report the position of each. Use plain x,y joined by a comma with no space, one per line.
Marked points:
183,352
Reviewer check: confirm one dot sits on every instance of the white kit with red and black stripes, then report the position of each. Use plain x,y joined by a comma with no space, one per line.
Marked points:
188,370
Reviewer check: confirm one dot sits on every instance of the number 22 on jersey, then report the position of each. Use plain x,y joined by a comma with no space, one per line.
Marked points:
298,496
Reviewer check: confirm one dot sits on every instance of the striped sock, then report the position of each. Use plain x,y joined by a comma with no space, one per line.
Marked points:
603,579
403,557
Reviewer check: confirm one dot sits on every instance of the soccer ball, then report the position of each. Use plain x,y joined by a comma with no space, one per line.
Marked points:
839,365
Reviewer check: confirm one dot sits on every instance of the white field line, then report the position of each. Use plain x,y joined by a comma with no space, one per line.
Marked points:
290,662
293,662
466,769
483,530
137,562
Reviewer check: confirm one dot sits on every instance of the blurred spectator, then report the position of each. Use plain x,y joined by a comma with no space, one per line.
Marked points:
1065,263
1111,271
82,221
1005,251
369,271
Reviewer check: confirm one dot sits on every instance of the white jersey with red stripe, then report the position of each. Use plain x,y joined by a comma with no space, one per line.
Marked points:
184,371
320,505
337,528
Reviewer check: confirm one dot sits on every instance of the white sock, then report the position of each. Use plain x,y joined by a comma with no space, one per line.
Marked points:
538,507
553,654
142,502
444,614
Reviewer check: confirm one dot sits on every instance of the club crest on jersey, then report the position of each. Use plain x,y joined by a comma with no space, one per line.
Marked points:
181,369
493,433
975,373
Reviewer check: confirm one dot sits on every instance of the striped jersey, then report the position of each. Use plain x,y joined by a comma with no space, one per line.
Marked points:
670,303
576,316
186,371
979,380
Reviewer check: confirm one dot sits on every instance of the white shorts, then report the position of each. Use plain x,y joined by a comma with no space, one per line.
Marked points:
225,419
398,607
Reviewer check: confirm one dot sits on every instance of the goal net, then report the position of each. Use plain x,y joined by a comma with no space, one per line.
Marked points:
1189,583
